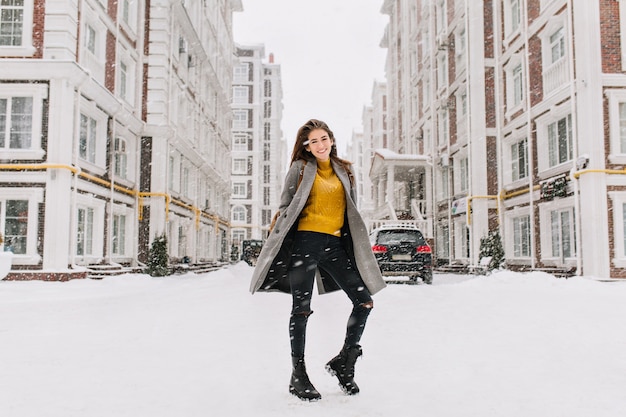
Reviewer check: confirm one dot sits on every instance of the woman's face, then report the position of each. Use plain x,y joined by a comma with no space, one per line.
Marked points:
320,144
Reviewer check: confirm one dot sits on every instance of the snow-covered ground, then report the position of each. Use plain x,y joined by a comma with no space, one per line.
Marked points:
508,344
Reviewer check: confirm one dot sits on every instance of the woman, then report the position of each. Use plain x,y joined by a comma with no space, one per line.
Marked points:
319,236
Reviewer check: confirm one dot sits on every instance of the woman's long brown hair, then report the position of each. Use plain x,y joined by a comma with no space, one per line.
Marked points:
302,139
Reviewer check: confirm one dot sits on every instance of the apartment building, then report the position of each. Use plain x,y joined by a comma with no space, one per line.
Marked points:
112,115
517,106
258,149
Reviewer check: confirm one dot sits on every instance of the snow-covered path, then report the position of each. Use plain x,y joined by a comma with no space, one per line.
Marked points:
200,345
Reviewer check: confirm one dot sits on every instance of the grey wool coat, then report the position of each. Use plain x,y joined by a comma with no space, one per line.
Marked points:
270,273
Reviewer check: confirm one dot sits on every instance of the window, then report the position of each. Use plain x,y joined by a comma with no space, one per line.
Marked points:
266,152
123,88
119,235
560,146
241,95
267,88
120,160
239,214
240,166
239,190
515,15
563,237
266,174
442,70
443,242
240,143
518,85
267,109
16,122
90,39
557,45
521,237
443,185
241,73
512,17
463,175
240,119
519,160
444,129
16,226
238,236
88,137
84,238
622,127
266,196
11,22
185,181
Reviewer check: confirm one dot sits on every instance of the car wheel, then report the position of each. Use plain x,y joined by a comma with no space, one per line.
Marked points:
427,277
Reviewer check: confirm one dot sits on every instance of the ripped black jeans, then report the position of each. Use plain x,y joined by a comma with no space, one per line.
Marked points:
314,250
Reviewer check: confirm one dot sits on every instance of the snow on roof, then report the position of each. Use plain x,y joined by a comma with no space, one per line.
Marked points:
389,154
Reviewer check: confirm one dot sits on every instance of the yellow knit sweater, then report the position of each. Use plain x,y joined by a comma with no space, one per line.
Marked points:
325,207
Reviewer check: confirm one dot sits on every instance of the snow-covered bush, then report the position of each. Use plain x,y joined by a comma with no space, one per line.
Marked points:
491,246
158,261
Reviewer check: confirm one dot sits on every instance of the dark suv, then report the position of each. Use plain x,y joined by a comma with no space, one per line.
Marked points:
402,251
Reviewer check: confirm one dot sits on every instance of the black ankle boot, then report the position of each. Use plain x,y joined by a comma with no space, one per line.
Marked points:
342,366
300,386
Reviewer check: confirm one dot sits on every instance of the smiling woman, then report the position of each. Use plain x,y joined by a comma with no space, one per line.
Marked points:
329,52
320,237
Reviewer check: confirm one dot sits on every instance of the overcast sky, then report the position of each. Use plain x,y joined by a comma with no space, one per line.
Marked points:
330,55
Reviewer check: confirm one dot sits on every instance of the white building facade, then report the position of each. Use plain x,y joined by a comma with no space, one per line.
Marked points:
258,148
516,105
96,157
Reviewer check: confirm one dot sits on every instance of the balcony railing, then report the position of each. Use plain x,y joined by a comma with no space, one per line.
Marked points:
555,76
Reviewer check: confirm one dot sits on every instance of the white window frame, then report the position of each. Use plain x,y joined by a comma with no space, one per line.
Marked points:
129,215
240,166
617,155
240,142
460,239
239,214
126,80
26,48
241,95
513,18
511,160
98,207
241,73
442,70
94,61
240,119
462,171
543,123
128,16
237,236
509,230
460,49
555,73
34,196
545,221
515,85
89,109
38,93
239,190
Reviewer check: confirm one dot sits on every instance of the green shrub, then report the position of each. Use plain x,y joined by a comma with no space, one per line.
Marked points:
158,261
491,246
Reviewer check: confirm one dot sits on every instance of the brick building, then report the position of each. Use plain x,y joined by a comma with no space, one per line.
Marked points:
519,107
113,119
